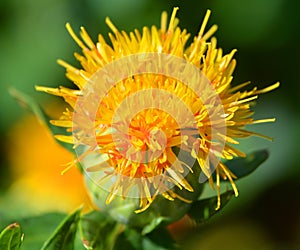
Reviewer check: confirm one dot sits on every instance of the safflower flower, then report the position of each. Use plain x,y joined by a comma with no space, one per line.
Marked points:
139,148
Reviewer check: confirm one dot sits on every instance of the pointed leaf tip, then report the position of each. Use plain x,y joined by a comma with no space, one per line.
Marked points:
64,236
202,210
244,166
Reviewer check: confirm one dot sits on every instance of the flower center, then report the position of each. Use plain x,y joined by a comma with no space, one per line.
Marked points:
140,146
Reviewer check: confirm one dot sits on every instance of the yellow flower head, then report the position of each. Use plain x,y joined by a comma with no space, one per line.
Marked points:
143,98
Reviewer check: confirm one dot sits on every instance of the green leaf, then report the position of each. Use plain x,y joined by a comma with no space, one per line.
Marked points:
158,239
153,224
36,229
64,236
129,239
29,103
243,166
202,210
99,231
11,237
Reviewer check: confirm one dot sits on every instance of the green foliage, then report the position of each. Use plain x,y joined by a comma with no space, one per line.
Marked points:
202,210
36,229
64,236
153,225
99,231
242,167
131,239
11,237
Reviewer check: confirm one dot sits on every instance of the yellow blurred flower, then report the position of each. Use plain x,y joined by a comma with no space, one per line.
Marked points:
37,161
140,146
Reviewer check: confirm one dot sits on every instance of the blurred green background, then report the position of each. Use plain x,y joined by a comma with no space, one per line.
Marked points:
266,34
